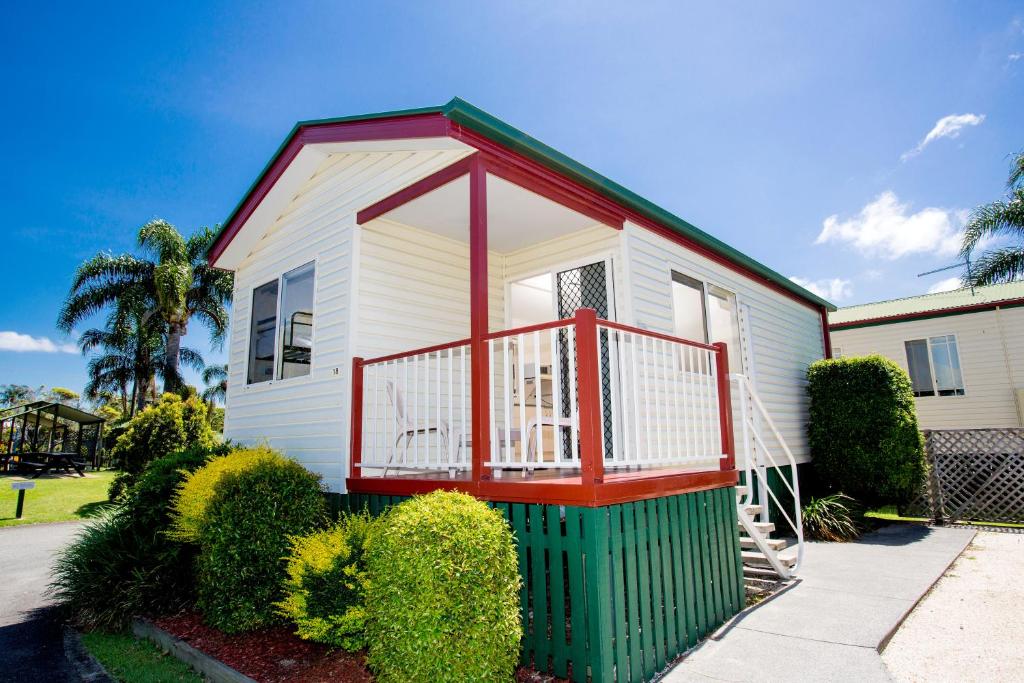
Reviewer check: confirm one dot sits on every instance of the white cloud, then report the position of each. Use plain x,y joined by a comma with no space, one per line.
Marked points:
946,127
1015,56
22,343
947,285
834,289
886,228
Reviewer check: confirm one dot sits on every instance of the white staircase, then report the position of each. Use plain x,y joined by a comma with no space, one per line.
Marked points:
766,559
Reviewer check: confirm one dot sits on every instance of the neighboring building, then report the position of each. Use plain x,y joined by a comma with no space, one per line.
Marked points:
964,351
431,299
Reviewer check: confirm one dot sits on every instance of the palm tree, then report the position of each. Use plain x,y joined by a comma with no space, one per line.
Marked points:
176,286
216,379
1000,219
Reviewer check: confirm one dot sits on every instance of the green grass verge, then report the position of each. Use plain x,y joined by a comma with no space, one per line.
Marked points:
890,514
57,499
132,660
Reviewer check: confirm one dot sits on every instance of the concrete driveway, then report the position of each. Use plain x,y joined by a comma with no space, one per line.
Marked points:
832,623
31,639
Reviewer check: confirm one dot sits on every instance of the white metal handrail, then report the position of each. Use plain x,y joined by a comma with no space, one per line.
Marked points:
752,470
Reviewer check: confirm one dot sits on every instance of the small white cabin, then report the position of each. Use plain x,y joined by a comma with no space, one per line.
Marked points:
963,350
431,298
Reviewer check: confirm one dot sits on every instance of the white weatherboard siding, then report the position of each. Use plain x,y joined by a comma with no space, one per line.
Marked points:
786,334
306,417
991,349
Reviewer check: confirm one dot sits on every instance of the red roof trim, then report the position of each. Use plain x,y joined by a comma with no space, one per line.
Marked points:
393,128
499,157
923,315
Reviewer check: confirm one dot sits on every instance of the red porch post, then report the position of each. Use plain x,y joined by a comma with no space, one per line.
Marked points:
478,319
356,453
725,406
588,376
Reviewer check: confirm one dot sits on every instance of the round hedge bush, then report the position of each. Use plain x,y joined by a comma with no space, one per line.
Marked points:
863,430
326,583
244,539
193,495
443,596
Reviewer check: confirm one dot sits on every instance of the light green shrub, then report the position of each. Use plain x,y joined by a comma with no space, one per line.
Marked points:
192,497
243,540
326,582
170,425
442,601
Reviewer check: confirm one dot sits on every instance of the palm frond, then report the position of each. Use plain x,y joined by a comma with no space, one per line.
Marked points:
191,358
215,373
994,220
197,245
1016,179
163,240
998,265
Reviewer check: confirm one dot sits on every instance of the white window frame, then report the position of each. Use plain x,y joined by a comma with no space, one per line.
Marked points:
927,339
278,335
706,286
608,258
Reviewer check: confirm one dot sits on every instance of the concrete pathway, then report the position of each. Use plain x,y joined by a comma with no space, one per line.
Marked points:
831,624
31,639
968,627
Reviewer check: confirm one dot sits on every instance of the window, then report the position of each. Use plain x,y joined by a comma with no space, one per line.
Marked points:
261,333
934,365
690,320
281,344
709,319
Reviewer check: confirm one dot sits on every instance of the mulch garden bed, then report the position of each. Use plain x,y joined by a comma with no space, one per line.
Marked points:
271,655
275,655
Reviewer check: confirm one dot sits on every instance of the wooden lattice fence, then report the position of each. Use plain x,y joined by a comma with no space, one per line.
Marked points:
975,475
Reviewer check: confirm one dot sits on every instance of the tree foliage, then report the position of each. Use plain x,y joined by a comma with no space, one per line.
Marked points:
998,221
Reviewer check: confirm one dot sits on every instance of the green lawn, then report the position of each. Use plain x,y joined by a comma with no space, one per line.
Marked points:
56,499
132,660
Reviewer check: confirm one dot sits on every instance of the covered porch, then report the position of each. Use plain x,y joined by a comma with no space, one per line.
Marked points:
523,386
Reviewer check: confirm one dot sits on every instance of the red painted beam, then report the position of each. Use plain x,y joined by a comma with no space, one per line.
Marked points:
478,316
417,189
558,192
356,425
623,488
826,337
588,377
725,406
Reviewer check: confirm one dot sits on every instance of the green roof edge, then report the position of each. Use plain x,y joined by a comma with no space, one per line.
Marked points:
465,114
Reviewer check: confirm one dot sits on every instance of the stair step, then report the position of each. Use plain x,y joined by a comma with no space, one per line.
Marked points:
773,543
753,509
763,527
742,491
757,558
757,573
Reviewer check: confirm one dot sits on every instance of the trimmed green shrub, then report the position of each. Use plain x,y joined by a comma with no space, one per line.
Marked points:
326,584
831,518
193,495
442,601
243,541
863,430
168,426
124,565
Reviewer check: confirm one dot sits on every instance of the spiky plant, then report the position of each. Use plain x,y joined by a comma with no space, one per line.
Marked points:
831,518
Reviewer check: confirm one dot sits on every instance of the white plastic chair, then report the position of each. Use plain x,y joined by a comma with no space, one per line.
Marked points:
407,429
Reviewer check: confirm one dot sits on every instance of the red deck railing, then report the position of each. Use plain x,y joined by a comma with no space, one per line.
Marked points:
579,411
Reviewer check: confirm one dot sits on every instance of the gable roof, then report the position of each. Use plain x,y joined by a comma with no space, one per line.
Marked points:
956,302
464,114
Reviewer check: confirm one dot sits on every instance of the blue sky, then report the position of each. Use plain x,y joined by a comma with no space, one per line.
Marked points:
841,145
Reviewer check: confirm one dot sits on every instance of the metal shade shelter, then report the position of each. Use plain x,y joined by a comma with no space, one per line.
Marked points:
42,435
